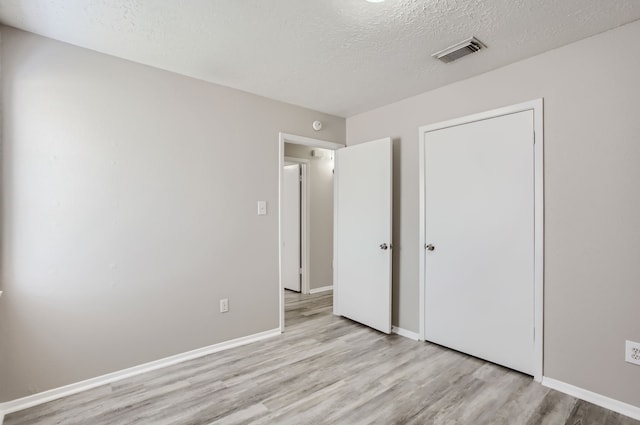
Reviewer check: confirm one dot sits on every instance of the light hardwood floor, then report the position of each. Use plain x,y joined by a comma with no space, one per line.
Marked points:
324,370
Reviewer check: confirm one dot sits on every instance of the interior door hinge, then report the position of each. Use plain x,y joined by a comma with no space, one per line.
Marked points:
300,271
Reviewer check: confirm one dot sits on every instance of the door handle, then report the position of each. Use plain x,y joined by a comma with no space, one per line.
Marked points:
429,247
384,246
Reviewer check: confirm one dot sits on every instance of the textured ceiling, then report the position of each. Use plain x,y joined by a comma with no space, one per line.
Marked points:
337,56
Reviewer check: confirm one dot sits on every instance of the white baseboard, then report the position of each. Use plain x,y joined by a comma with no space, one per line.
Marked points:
591,397
405,333
321,289
56,393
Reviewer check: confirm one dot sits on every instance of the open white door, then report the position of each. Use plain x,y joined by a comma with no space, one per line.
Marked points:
291,227
362,253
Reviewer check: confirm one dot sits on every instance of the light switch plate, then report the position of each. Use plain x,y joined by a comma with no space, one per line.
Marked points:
262,207
224,305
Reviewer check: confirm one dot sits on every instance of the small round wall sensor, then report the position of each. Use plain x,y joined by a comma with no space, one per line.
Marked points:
317,125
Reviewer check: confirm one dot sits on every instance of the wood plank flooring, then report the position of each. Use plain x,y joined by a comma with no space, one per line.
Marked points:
324,370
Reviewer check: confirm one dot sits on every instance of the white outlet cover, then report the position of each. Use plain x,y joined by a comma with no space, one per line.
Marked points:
632,352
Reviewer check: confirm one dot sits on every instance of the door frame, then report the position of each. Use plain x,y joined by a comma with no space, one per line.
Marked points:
297,140
538,155
304,220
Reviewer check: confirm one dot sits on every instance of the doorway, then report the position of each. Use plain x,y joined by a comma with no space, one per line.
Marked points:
481,235
362,229
315,159
307,210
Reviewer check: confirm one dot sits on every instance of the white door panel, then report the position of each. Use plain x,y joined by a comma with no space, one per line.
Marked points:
363,224
479,216
291,227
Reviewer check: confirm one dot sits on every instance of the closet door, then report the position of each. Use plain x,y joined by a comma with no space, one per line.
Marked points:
479,233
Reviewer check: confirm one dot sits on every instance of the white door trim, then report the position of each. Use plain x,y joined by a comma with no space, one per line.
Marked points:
537,107
305,201
298,140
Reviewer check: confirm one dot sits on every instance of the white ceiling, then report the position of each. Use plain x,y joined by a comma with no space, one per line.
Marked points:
337,56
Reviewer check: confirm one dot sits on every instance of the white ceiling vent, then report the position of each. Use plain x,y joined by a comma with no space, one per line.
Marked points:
458,50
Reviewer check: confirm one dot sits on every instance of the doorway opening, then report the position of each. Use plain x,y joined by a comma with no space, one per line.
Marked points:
306,230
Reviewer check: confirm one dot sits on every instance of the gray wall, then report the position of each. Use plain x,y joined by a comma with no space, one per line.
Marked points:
128,210
592,197
321,215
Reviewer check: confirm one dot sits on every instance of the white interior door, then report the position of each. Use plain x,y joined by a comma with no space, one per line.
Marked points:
362,282
291,227
479,219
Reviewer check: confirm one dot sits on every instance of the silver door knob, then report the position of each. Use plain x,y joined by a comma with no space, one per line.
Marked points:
384,246
429,247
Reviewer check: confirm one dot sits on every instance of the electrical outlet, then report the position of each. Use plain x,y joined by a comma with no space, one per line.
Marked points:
224,305
632,352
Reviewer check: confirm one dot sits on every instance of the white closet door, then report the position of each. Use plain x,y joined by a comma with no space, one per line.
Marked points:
479,220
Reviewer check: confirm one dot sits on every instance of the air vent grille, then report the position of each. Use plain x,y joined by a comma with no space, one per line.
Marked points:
458,50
